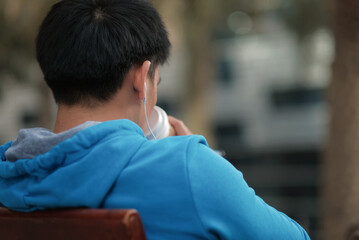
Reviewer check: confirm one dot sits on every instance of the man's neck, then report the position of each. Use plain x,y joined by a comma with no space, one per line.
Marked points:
71,116
124,104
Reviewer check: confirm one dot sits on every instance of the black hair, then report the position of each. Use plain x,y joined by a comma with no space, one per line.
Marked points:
86,47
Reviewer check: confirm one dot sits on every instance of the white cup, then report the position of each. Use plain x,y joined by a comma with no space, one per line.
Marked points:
159,124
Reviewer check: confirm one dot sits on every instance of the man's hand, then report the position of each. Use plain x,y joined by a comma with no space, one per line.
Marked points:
178,128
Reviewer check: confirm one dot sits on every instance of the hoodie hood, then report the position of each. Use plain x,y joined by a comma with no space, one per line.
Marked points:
76,172
32,142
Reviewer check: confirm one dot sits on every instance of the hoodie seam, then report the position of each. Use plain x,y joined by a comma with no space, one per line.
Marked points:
115,182
113,137
191,191
134,154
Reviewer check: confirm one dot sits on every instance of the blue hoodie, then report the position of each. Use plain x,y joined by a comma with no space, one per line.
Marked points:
180,187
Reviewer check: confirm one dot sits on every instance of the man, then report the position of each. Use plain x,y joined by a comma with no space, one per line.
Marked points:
101,59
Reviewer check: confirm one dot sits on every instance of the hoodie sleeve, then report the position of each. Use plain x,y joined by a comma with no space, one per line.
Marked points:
227,207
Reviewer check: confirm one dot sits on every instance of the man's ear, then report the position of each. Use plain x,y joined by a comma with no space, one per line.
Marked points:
140,77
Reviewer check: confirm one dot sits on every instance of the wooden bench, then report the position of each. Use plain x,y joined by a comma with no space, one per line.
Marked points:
71,224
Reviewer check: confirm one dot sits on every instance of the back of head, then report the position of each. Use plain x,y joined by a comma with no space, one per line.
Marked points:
86,47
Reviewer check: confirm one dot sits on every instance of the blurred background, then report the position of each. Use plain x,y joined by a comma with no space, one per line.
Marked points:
253,77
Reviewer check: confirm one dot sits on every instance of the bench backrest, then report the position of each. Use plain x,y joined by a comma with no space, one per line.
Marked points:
71,224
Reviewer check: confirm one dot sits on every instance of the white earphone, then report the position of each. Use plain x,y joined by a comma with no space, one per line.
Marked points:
148,124
144,100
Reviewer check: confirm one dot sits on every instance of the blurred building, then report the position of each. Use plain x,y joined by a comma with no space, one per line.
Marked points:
263,94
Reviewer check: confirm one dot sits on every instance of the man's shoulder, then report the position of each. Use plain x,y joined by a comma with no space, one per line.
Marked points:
173,145
184,141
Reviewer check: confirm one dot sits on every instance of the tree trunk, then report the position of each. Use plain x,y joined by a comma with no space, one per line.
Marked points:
340,200
193,22
198,30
